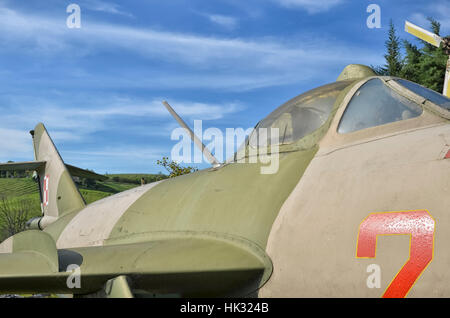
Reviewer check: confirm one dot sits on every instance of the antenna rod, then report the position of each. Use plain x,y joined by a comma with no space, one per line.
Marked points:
212,160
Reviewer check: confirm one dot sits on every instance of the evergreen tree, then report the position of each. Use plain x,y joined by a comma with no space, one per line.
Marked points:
425,65
393,57
432,63
411,69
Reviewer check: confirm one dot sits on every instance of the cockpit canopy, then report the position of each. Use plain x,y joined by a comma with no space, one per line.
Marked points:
375,103
301,115
432,96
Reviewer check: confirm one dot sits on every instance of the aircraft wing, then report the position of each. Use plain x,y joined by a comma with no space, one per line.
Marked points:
187,267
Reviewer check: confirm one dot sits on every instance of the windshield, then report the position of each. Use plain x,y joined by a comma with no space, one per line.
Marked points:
301,115
427,93
376,104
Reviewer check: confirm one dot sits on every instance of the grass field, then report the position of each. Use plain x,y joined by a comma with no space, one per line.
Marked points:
26,188
20,192
17,187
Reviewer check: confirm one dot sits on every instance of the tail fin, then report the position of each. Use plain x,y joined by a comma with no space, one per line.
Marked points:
59,194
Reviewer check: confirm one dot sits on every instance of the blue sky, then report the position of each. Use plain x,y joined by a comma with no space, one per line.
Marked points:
98,89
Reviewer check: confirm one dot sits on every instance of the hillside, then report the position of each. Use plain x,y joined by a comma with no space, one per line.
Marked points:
19,197
26,188
135,178
17,187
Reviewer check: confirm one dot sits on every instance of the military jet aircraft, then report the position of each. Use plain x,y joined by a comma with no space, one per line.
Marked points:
358,208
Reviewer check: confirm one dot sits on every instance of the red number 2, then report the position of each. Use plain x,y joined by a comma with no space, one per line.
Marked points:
419,225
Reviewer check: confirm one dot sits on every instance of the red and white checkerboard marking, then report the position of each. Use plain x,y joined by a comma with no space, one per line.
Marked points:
45,190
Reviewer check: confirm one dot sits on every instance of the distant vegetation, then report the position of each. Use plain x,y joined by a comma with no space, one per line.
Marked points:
135,178
174,168
20,201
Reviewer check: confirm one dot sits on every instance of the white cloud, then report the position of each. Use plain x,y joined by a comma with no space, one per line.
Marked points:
136,108
224,21
141,153
116,159
227,62
419,19
71,123
102,6
15,143
439,10
154,108
311,6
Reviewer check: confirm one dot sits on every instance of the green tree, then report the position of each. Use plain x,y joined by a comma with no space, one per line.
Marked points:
425,65
393,57
432,62
411,67
174,168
